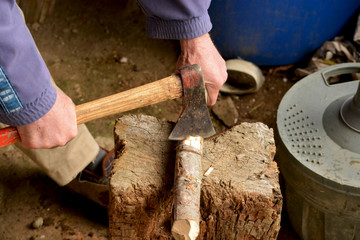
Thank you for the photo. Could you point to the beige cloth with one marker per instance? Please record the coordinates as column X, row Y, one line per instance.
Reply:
column 62, row 164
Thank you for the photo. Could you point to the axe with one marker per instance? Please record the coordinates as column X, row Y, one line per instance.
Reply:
column 159, row 91
column 193, row 125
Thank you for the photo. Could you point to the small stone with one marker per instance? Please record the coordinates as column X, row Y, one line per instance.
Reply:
column 124, row 60
column 38, row 223
column 74, row 30
column 226, row 111
column 37, row 237
column 329, row 55
column 35, row 26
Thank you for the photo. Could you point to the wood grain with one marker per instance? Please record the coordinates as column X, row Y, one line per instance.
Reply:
column 165, row 89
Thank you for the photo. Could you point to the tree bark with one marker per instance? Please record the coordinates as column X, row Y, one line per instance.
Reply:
column 188, row 175
column 240, row 192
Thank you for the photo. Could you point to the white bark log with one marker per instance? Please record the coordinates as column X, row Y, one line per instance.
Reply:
column 188, row 174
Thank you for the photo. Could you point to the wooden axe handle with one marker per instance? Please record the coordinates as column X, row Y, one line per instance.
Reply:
column 155, row 92
column 159, row 91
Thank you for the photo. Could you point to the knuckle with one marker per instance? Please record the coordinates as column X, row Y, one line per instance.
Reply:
column 219, row 85
column 225, row 76
column 61, row 144
column 47, row 146
column 62, row 141
column 71, row 136
column 74, row 132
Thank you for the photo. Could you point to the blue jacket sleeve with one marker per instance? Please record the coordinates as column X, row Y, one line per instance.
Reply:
column 176, row 19
column 26, row 93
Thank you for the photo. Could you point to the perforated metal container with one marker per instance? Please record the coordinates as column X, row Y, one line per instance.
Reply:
column 319, row 154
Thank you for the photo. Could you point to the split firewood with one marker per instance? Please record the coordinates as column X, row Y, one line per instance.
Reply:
column 188, row 175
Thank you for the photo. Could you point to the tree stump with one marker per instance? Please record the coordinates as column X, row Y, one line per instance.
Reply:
column 240, row 192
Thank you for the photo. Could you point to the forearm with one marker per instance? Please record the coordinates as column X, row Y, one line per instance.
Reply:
column 24, row 76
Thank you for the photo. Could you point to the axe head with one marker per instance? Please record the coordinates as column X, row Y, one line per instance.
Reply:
column 195, row 118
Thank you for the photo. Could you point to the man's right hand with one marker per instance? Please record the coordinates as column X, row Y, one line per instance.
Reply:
column 202, row 51
column 54, row 129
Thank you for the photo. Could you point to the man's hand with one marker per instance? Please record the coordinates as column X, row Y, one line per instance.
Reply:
column 54, row 129
column 202, row 51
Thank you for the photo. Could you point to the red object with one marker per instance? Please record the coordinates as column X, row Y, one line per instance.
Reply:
column 9, row 136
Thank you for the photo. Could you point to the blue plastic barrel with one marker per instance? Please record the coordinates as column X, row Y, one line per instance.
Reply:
column 276, row 32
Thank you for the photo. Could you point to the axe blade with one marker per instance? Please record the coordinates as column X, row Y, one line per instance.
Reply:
column 195, row 118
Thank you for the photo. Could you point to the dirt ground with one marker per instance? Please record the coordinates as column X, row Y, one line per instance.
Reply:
column 94, row 49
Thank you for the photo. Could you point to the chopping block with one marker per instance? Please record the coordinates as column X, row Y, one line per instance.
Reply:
column 240, row 191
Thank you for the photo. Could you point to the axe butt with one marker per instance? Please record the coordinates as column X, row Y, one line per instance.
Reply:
column 188, row 175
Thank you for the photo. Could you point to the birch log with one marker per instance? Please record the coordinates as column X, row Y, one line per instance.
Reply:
column 188, row 175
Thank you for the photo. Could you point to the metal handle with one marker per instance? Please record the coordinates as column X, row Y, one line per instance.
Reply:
column 339, row 69
column 350, row 109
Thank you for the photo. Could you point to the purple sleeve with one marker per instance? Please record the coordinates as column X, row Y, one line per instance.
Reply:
column 176, row 19
column 26, row 93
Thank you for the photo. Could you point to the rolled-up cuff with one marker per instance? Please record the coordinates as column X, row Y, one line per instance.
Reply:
column 178, row 29
column 31, row 111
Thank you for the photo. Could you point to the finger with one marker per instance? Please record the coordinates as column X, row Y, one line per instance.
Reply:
column 212, row 95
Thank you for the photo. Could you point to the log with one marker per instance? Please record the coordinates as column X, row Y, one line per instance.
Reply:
column 240, row 192
column 188, row 175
